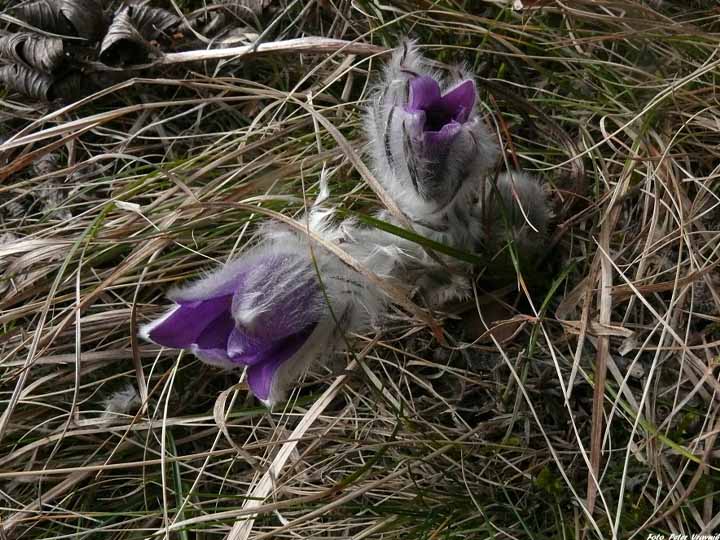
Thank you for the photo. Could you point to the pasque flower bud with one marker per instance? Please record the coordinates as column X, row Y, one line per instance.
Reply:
column 434, row 155
column 517, row 209
column 427, row 140
column 279, row 307
column 257, row 311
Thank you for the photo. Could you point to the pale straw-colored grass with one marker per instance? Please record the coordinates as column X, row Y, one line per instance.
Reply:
column 590, row 412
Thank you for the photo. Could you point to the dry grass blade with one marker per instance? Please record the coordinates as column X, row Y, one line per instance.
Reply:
column 600, row 371
column 308, row 45
column 241, row 529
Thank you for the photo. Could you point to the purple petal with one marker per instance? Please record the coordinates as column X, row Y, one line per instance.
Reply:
column 245, row 349
column 455, row 106
column 261, row 375
column 218, row 357
column 184, row 325
column 442, row 137
column 216, row 334
column 458, row 103
column 424, row 94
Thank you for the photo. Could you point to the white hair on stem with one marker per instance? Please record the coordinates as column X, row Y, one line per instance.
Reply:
column 120, row 402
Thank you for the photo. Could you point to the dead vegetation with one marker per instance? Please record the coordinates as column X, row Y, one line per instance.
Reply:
column 589, row 410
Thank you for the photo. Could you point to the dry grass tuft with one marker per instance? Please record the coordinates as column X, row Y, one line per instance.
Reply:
column 593, row 413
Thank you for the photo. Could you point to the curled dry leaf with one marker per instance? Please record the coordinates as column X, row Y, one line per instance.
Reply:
column 46, row 15
column 26, row 81
column 82, row 18
column 127, row 39
column 152, row 22
column 45, row 54
column 86, row 16
column 40, row 86
column 123, row 44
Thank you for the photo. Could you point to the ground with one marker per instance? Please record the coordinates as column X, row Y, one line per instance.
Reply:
column 591, row 413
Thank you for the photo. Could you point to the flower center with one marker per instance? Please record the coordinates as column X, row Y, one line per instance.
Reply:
column 440, row 110
column 436, row 118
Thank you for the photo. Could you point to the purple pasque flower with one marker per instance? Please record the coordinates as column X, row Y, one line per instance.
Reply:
column 258, row 311
column 427, row 140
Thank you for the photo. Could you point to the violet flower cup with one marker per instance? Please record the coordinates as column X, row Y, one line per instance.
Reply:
column 427, row 140
column 439, row 118
column 258, row 311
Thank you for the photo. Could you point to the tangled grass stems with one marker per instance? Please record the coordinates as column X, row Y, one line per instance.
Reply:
column 572, row 399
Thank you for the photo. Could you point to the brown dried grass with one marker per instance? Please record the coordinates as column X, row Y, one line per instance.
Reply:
column 594, row 416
